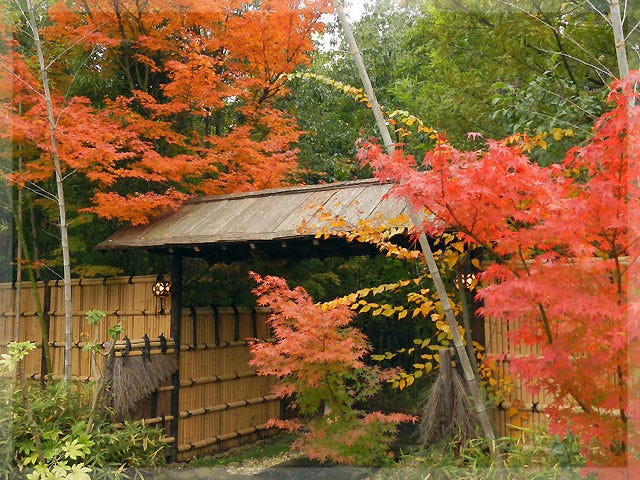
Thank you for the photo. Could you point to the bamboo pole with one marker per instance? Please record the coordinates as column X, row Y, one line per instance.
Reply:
column 176, row 327
column 62, row 209
column 40, row 311
column 470, row 377
column 618, row 38
column 227, row 406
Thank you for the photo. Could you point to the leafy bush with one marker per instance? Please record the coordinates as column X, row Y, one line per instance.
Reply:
column 318, row 358
column 50, row 440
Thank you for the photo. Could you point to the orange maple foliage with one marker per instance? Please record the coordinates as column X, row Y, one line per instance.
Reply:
column 192, row 103
column 561, row 246
column 318, row 357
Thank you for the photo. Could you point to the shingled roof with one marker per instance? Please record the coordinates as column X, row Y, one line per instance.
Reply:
column 231, row 227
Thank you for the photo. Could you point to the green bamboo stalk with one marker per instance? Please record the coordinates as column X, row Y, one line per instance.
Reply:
column 36, row 294
column 469, row 375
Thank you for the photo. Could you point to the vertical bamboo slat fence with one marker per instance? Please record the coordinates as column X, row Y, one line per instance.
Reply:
column 222, row 401
column 528, row 409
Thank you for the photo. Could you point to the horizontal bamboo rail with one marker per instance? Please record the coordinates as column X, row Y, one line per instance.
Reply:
column 536, row 407
column 120, row 344
column 156, row 344
column 124, row 313
column 224, row 344
column 533, row 407
column 37, row 376
column 190, row 382
column 227, row 406
column 138, row 353
column 149, row 421
column 220, row 438
column 82, row 313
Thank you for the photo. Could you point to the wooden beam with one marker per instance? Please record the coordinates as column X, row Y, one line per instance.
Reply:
column 176, row 314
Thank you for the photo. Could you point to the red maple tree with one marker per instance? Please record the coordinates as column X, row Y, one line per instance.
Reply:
column 318, row 358
column 560, row 246
column 192, row 106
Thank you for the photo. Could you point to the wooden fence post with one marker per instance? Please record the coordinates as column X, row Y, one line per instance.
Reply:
column 176, row 316
column 447, row 385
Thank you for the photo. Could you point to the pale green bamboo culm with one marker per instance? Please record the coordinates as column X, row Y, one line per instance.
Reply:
column 57, row 167
column 469, row 375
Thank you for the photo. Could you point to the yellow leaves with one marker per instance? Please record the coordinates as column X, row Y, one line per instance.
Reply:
column 403, row 380
column 459, row 246
column 378, row 289
column 559, row 133
column 388, row 311
column 403, row 117
column 364, row 292
column 352, row 297
column 384, row 356
column 376, row 230
column 514, row 409
column 366, row 308
column 424, row 309
column 451, row 258
column 528, row 142
column 356, row 93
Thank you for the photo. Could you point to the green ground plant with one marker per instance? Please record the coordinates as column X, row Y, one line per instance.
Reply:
column 50, row 436
column 534, row 455
column 266, row 448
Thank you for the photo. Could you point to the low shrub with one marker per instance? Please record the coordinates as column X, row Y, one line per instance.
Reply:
column 49, row 438
column 534, row 455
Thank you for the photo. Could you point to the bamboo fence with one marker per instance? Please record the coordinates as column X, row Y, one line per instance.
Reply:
column 222, row 401
column 528, row 408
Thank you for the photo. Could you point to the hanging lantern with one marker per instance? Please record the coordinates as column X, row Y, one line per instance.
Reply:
column 162, row 287
column 466, row 280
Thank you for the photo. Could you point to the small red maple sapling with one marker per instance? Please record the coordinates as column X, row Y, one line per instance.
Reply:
column 318, row 359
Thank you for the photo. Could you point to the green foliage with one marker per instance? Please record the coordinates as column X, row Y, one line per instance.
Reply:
column 533, row 455
column 60, row 411
column 115, row 330
column 94, row 316
column 17, row 351
column 482, row 66
column 265, row 448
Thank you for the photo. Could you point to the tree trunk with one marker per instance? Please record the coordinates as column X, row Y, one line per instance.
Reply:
column 470, row 377
column 618, row 38
column 62, row 209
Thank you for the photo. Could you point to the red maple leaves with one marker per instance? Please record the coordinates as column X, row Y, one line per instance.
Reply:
column 561, row 245
column 318, row 358
column 192, row 106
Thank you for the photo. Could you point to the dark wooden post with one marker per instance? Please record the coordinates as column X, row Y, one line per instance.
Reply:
column 46, row 308
column 447, row 386
column 176, row 326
